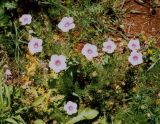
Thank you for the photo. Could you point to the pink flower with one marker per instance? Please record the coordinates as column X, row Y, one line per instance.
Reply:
column 8, row 72
column 58, row 63
column 70, row 108
column 35, row 45
column 89, row 51
column 66, row 24
column 109, row 46
column 134, row 45
column 135, row 58
column 25, row 19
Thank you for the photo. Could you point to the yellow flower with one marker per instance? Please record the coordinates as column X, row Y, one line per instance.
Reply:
column 41, row 90
column 53, row 75
column 57, row 98
column 25, row 80
column 143, row 37
column 158, row 101
column 149, row 52
column 31, row 66
column 135, row 88
column 55, row 37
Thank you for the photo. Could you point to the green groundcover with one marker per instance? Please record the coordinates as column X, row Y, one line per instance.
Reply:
column 79, row 62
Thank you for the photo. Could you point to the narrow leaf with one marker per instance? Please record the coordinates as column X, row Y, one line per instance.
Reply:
column 38, row 101
column 39, row 121
column 86, row 114
column 11, row 120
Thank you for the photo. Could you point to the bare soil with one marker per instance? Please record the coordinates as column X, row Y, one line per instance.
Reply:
column 142, row 19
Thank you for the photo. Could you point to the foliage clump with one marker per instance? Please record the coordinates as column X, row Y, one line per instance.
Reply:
column 106, row 89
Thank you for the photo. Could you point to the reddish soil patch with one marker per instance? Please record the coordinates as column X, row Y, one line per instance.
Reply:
column 144, row 19
column 79, row 46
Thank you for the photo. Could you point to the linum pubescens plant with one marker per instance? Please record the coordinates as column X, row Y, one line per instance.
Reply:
column 96, row 83
column 7, row 112
column 4, row 96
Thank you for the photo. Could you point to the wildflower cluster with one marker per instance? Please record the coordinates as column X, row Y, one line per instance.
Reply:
column 135, row 57
column 58, row 63
column 74, row 62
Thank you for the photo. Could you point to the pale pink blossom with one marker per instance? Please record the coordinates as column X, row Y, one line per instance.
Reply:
column 35, row 45
column 109, row 46
column 58, row 63
column 134, row 45
column 70, row 108
column 25, row 19
column 89, row 51
column 8, row 72
column 135, row 58
column 66, row 24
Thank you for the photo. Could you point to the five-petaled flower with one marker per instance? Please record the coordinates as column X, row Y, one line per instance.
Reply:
column 89, row 51
column 66, row 24
column 25, row 19
column 35, row 45
column 134, row 45
column 135, row 58
column 58, row 63
column 109, row 46
column 70, row 108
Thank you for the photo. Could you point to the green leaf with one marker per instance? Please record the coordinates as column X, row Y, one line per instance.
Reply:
column 52, row 83
column 153, row 64
column 11, row 120
column 38, row 101
column 106, row 60
column 19, row 119
column 1, row 12
column 10, row 5
column 39, row 121
column 86, row 114
column 117, row 122
column 56, row 115
column 90, row 113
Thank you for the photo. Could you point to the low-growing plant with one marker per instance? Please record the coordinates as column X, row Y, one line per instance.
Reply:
column 71, row 62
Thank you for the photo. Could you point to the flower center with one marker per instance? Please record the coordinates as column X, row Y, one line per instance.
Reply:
column 135, row 58
column 57, row 62
column 90, row 51
column 36, row 45
column 108, row 47
column 70, row 108
column 25, row 19
column 134, row 45
column 66, row 24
